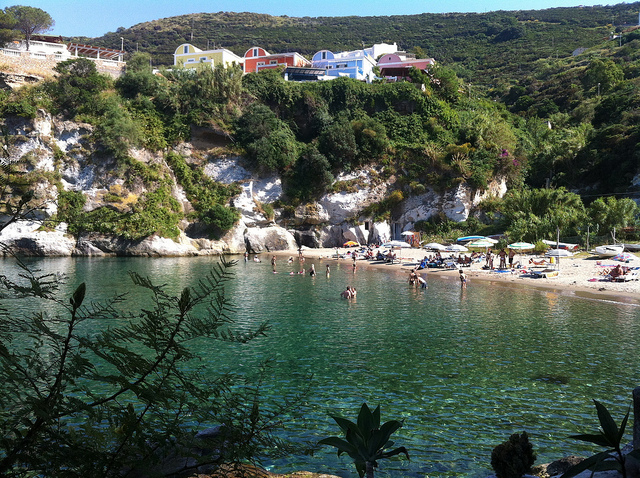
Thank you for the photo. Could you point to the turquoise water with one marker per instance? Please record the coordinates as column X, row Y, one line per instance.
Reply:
column 463, row 368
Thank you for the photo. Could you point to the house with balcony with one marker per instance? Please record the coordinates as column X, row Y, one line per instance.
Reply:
column 357, row 64
column 396, row 66
column 46, row 51
column 257, row 59
column 189, row 56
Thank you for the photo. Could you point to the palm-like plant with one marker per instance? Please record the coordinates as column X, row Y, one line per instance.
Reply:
column 366, row 442
column 609, row 436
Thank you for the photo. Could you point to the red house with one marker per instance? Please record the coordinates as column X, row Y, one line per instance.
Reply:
column 256, row 59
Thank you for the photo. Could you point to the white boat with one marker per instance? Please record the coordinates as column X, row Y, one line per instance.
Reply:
column 561, row 245
column 609, row 250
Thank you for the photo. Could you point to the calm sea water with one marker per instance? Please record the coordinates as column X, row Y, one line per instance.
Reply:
column 464, row 368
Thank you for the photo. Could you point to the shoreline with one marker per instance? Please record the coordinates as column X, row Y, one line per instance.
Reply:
column 578, row 276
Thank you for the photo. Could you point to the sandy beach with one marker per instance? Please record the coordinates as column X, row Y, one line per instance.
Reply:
column 582, row 275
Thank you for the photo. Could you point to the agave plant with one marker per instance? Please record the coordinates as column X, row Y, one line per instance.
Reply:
column 609, row 436
column 366, row 442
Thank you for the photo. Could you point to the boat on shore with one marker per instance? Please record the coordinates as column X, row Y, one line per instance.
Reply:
column 561, row 245
column 609, row 250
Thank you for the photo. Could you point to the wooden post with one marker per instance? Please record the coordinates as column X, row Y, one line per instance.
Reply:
column 636, row 418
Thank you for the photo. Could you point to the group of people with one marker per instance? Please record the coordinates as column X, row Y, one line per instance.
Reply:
column 502, row 255
column 417, row 280
column 349, row 293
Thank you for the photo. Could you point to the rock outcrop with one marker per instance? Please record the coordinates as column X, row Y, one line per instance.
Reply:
column 54, row 146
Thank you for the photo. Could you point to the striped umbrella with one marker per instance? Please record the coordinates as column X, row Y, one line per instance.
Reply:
column 521, row 246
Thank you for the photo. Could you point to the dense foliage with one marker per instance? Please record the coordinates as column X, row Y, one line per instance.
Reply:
column 568, row 124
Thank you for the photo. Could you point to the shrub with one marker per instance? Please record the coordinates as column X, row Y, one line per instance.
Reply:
column 513, row 458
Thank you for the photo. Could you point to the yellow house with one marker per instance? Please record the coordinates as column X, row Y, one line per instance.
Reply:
column 189, row 56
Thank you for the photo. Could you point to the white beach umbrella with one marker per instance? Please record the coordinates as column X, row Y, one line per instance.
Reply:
column 558, row 253
column 396, row 244
column 407, row 233
column 456, row 248
column 522, row 246
column 480, row 243
column 435, row 246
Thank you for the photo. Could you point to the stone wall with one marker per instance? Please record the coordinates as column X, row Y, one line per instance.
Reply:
column 41, row 65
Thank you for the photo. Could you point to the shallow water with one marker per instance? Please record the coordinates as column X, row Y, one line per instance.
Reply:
column 464, row 368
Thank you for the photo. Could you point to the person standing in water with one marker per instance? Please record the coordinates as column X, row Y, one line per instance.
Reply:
column 273, row 263
column 328, row 270
column 463, row 279
column 312, row 271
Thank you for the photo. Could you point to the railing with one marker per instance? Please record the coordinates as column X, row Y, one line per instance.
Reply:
column 9, row 52
column 57, row 56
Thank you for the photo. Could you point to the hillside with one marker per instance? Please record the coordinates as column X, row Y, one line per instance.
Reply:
column 483, row 47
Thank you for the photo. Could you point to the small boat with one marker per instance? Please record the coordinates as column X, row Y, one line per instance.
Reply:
column 561, row 245
column 609, row 250
column 632, row 247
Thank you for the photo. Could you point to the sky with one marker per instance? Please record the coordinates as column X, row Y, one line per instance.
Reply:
column 93, row 18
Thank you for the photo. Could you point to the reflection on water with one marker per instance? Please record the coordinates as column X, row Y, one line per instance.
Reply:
column 464, row 368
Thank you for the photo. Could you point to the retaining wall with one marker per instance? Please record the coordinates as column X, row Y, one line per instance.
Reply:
column 42, row 65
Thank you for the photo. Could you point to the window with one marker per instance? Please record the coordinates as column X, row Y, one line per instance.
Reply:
column 274, row 62
column 190, row 60
column 261, row 63
column 324, row 55
column 255, row 52
column 203, row 58
column 185, row 49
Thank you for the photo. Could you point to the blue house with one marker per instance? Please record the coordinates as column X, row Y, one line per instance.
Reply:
column 356, row 64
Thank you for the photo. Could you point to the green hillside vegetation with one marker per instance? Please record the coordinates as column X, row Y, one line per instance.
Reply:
column 569, row 124
column 483, row 48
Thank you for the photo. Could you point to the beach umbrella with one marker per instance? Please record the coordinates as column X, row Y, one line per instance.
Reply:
column 456, row 248
column 521, row 246
column 350, row 244
column 469, row 238
column 407, row 233
column 396, row 244
column 435, row 246
column 558, row 253
column 480, row 243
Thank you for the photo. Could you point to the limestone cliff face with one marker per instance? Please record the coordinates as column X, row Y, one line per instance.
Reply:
column 64, row 150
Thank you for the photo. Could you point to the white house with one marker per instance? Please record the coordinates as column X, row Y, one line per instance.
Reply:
column 356, row 64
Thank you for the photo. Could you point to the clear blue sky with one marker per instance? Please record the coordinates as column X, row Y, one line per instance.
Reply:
column 94, row 18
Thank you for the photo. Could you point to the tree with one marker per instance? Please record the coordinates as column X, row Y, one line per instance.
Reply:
column 78, row 84
column 311, row 176
column 130, row 398
column 30, row 20
column 7, row 24
column 609, row 213
column 536, row 214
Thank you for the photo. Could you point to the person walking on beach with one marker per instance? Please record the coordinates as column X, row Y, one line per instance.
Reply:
column 488, row 259
column 463, row 279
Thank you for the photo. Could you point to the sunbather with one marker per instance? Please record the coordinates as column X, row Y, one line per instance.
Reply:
column 539, row 262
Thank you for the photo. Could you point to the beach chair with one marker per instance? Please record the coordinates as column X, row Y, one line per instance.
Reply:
column 545, row 274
